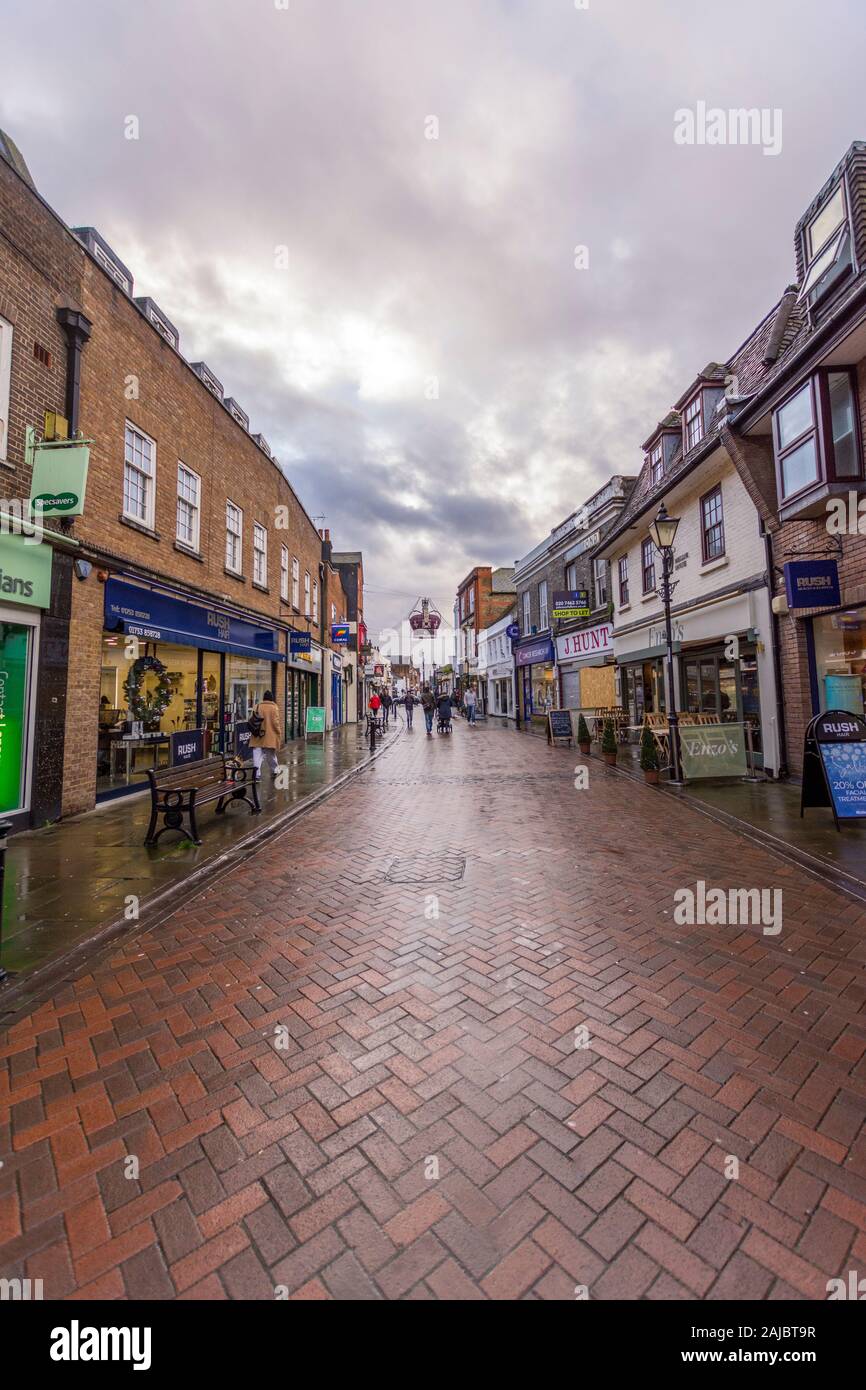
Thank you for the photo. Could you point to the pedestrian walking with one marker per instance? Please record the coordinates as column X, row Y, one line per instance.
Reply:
column 470, row 700
column 266, row 734
column 386, row 705
column 410, row 706
column 428, row 705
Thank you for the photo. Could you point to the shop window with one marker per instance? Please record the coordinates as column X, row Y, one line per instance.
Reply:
column 623, row 581
column 693, row 423
column 712, row 526
column 816, row 433
column 284, row 573
column 296, row 583
column 16, row 657
column 648, row 565
column 5, row 380
column 260, row 555
column 840, row 659
column 234, row 538
column 188, row 506
column 139, row 477
column 144, row 699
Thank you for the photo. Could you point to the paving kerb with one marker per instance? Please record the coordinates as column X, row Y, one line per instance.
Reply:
column 33, row 988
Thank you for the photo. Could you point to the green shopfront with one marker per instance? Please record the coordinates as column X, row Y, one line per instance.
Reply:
column 25, row 590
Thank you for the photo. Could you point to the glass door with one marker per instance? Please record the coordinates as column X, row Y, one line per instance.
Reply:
column 15, row 658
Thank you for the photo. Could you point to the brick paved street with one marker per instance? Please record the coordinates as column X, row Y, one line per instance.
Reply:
column 295, row 1055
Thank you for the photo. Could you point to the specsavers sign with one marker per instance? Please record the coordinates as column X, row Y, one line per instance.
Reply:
column 59, row 479
column 25, row 571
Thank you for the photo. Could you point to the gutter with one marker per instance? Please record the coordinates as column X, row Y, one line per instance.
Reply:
column 56, row 536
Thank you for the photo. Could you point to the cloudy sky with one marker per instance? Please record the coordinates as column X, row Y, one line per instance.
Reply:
column 435, row 374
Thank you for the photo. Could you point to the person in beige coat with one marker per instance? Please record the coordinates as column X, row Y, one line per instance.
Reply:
column 271, row 738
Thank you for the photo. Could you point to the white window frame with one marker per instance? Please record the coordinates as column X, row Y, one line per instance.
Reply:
column 307, row 582
column 6, row 331
column 527, row 613
column 296, row 583
column 543, row 620
column 315, row 600
column 195, row 507
column 149, row 488
column 260, row 554
column 284, row 573
column 237, row 535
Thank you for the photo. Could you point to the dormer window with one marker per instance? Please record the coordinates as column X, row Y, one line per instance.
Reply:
column 657, row 465
column 826, row 246
column 693, row 424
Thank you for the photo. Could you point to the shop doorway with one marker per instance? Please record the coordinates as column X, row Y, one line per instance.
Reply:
column 728, row 689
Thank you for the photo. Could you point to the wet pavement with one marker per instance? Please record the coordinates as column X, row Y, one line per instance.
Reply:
column 444, row 1039
column 69, row 881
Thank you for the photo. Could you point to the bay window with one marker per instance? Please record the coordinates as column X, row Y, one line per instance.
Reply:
column 816, row 433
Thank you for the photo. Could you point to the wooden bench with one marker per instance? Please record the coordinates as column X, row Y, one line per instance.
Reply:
column 176, row 793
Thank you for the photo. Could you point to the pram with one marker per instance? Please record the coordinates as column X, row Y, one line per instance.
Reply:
column 443, row 725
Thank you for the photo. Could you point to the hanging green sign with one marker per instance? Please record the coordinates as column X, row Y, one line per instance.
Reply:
column 13, row 701
column 59, row 479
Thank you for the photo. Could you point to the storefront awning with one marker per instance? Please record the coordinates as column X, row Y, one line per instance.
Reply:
column 154, row 617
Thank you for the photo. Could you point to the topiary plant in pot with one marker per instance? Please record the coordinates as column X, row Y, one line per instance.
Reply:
column 583, row 739
column 649, row 756
column 608, row 743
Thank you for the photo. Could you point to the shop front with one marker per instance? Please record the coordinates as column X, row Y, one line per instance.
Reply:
column 303, row 675
column 584, row 660
column 534, row 660
column 500, row 690
column 336, row 689
column 25, row 590
column 723, row 668
column 178, row 681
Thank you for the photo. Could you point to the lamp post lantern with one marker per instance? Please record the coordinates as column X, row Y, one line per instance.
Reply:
column 663, row 532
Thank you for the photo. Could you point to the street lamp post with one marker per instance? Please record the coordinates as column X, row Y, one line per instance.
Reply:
column 663, row 531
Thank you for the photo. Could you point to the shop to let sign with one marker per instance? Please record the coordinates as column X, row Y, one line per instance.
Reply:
column 572, row 603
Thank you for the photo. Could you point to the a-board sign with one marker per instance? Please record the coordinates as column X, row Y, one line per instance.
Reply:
column 834, row 765
column 315, row 723
column 559, row 725
column 187, row 747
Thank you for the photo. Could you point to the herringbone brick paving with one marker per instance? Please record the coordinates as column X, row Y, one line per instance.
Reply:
column 348, row 1070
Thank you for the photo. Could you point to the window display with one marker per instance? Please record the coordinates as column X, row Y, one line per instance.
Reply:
column 840, row 658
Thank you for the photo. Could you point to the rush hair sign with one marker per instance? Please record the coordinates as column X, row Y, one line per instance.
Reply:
column 590, row 641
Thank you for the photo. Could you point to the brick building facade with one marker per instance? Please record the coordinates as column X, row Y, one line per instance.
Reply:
column 193, row 549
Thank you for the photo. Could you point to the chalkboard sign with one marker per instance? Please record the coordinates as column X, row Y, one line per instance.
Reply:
column 559, row 725
column 834, row 765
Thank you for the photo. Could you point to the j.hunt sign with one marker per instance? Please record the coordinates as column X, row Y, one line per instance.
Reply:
column 592, row 641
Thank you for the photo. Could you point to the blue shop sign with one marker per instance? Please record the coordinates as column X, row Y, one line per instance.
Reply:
column 812, row 584
column 156, row 617
column 300, row 642
column 537, row 653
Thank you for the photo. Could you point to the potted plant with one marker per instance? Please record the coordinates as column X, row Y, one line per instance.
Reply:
column 608, row 743
column 649, row 756
column 583, row 739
